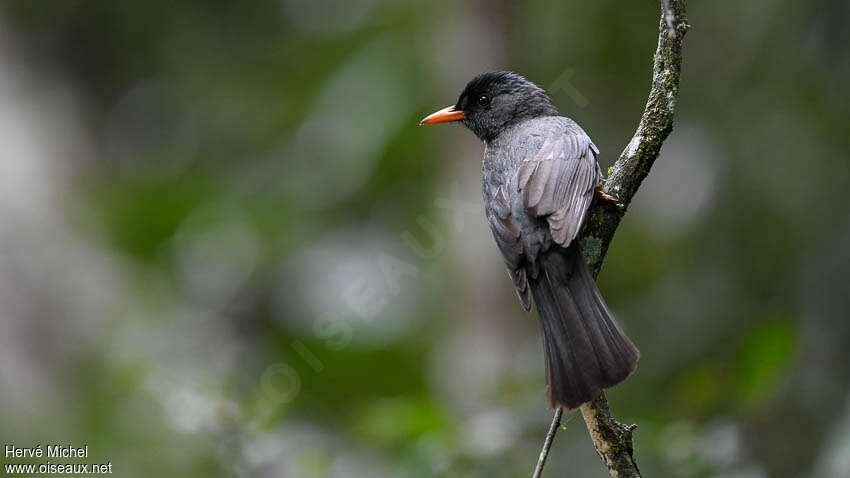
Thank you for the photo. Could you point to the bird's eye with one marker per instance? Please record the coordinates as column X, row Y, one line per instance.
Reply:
column 483, row 100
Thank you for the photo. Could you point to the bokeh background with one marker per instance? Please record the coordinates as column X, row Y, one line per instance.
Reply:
column 227, row 249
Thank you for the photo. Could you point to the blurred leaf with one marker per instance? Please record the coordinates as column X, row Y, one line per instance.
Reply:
column 401, row 419
column 765, row 358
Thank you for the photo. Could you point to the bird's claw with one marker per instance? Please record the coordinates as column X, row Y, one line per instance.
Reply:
column 607, row 198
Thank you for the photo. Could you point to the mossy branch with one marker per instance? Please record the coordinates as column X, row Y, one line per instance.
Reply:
column 612, row 439
column 637, row 158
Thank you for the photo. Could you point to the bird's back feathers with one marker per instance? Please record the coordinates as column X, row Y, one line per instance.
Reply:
column 539, row 180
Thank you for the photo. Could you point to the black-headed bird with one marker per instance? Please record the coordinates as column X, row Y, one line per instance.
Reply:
column 539, row 177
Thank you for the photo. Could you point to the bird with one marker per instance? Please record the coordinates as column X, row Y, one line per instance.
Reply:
column 539, row 176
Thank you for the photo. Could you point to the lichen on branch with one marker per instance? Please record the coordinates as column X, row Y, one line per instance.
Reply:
column 612, row 439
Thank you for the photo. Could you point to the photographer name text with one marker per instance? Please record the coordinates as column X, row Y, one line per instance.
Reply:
column 48, row 451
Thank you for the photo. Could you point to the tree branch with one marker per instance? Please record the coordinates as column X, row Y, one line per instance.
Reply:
column 669, row 18
column 612, row 439
column 635, row 161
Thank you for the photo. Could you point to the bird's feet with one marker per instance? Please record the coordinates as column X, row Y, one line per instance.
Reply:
column 607, row 198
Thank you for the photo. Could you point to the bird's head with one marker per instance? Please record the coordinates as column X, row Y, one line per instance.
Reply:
column 493, row 101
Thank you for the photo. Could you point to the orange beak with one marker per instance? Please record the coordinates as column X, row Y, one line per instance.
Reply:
column 444, row 116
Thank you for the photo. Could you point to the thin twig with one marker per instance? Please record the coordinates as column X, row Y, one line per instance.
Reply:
column 612, row 439
column 547, row 444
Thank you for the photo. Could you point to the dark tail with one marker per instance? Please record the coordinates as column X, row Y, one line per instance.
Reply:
column 585, row 349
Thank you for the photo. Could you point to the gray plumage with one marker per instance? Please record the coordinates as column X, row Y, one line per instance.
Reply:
column 540, row 169
column 539, row 175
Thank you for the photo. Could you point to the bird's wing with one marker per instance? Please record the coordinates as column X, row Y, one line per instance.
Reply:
column 558, row 182
column 506, row 231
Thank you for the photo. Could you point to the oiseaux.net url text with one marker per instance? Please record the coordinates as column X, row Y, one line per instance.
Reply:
column 58, row 468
